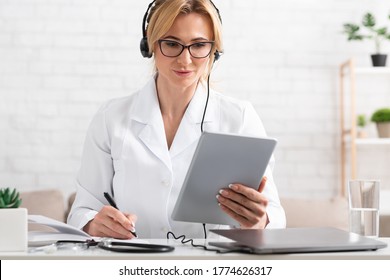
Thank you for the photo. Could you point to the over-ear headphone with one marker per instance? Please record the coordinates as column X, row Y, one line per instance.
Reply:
column 144, row 46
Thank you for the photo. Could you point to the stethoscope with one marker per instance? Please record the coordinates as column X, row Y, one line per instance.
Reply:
column 118, row 246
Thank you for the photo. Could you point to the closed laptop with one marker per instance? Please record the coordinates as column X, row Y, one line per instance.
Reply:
column 295, row 240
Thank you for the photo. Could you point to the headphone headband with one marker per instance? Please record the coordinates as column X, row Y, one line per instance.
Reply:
column 144, row 46
column 146, row 18
column 215, row 7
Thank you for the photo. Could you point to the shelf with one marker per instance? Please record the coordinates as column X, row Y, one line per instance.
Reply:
column 369, row 141
column 349, row 143
column 373, row 70
column 368, row 71
column 372, row 141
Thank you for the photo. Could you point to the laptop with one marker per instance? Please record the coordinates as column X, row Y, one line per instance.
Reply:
column 295, row 240
column 219, row 160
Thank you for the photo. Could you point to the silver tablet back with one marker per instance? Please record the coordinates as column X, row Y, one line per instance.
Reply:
column 219, row 160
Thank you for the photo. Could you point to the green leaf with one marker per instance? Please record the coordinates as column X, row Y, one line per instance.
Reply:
column 6, row 196
column 355, row 37
column 368, row 20
column 16, row 197
column 382, row 31
column 13, row 195
column 352, row 31
column 2, row 204
column 15, row 204
column 351, row 28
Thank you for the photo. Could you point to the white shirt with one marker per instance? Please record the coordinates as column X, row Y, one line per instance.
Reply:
column 126, row 154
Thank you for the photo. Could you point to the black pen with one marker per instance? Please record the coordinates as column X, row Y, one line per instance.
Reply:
column 113, row 204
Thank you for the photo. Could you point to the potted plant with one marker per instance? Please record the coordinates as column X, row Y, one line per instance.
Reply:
column 361, row 124
column 382, row 119
column 13, row 221
column 378, row 34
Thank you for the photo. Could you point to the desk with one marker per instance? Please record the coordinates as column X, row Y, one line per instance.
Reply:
column 187, row 252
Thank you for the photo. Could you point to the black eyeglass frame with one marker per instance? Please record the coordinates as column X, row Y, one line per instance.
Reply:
column 186, row 47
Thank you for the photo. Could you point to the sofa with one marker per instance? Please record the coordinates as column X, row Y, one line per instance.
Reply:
column 48, row 202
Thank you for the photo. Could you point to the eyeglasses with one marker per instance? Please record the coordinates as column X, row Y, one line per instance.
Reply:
column 171, row 48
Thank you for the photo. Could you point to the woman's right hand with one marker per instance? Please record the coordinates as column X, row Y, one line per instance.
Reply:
column 111, row 222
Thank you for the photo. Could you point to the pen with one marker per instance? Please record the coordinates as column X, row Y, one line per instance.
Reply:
column 113, row 204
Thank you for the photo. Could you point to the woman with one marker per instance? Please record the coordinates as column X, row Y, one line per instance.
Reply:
column 138, row 148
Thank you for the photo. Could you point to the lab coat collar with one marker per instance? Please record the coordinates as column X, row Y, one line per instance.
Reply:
column 189, row 130
column 147, row 108
column 147, row 111
column 196, row 107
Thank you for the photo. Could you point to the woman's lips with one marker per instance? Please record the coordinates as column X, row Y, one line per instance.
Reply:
column 182, row 73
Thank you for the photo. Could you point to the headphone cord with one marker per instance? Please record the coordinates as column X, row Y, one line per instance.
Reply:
column 204, row 247
column 207, row 102
column 204, row 231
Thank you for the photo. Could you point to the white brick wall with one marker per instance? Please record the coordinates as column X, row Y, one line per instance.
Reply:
column 60, row 59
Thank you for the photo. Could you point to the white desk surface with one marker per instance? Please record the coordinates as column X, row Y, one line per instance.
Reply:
column 187, row 252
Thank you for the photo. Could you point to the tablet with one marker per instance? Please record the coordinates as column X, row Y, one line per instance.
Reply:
column 219, row 160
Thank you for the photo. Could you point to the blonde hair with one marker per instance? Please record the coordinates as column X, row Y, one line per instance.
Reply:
column 164, row 12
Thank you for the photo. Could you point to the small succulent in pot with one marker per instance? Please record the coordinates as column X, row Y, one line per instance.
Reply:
column 9, row 198
column 361, row 122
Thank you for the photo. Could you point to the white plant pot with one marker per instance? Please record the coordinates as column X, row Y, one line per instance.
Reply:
column 13, row 229
column 383, row 129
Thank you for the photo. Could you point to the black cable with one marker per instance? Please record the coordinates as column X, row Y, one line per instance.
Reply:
column 184, row 241
column 204, row 231
column 207, row 102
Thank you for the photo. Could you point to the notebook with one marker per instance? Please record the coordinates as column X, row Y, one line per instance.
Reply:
column 220, row 160
column 51, row 230
column 295, row 240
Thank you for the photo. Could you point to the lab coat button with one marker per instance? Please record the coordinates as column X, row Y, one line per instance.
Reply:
column 164, row 229
column 165, row 183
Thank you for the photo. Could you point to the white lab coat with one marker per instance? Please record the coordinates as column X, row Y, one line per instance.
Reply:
column 126, row 154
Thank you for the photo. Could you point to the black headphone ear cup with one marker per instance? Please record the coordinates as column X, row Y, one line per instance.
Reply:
column 217, row 55
column 144, row 47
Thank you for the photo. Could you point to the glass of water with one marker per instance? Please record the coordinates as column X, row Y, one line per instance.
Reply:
column 364, row 207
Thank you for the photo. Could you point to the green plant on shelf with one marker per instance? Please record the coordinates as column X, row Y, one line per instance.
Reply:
column 377, row 34
column 381, row 115
column 361, row 120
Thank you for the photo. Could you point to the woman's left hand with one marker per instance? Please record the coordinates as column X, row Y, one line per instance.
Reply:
column 245, row 205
